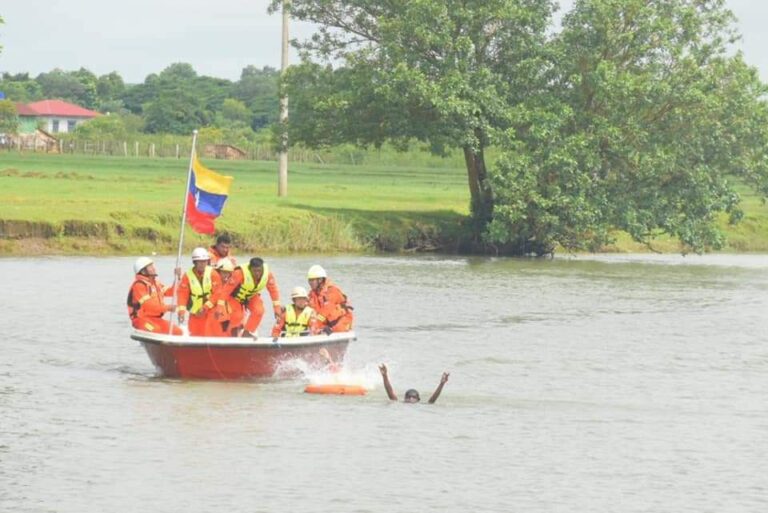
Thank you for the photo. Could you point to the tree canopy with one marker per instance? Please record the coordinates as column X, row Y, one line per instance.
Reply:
column 634, row 115
column 444, row 72
column 649, row 123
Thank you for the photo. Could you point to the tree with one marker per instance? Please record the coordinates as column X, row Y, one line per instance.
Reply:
column 177, row 100
column 74, row 86
column 20, row 87
column 103, row 127
column 257, row 89
column 212, row 92
column 178, row 112
column 109, row 89
column 178, row 74
column 139, row 95
column 235, row 110
column 648, row 122
column 447, row 72
column 89, row 82
column 9, row 120
column 634, row 116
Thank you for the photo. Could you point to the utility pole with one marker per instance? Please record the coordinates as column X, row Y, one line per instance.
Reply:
column 282, row 169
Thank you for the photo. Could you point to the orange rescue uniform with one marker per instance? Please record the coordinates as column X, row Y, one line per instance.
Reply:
column 216, row 256
column 146, row 307
column 298, row 318
column 252, row 303
column 197, row 321
column 332, row 307
column 219, row 322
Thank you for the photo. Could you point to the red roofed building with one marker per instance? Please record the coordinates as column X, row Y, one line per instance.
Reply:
column 24, row 110
column 56, row 116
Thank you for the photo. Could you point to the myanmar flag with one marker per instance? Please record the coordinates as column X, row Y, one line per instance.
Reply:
column 207, row 193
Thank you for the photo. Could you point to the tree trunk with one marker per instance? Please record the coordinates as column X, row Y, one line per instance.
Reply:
column 479, row 188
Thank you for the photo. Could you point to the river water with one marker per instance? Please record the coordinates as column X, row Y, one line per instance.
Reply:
column 611, row 383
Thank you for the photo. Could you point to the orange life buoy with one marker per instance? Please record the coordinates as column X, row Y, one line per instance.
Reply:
column 335, row 388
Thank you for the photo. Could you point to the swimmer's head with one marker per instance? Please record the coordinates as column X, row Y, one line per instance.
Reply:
column 412, row 396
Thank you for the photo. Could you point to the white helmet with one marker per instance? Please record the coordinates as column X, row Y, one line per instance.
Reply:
column 225, row 264
column 299, row 292
column 316, row 272
column 141, row 263
column 200, row 254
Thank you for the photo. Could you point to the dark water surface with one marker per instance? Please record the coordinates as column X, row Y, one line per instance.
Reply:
column 612, row 384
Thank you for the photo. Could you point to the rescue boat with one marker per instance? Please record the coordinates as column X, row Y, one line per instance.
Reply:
column 224, row 358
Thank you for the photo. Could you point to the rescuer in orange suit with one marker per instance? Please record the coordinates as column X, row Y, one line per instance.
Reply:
column 219, row 322
column 145, row 300
column 222, row 249
column 297, row 318
column 330, row 303
column 246, row 284
column 194, row 292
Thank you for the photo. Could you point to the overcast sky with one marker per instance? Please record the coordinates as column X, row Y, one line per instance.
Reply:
column 219, row 38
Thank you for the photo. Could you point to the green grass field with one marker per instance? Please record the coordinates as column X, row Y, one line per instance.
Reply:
column 64, row 204
column 112, row 204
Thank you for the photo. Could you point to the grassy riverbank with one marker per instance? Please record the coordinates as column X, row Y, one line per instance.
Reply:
column 112, row 205
column 63, row 204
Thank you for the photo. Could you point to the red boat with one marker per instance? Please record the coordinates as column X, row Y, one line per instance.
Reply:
column 243, row 358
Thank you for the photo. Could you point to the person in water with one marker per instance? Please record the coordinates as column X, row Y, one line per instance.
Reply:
column 411, row 395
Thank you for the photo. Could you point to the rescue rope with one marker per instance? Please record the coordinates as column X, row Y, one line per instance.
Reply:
column 213, row 361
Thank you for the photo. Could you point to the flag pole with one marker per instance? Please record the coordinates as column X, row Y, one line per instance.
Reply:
column 282, row 166
column 181, row 229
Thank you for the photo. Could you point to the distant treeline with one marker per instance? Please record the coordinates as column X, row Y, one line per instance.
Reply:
column 175, row 101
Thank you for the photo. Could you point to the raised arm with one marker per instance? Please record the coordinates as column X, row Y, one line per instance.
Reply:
column 436, row 393
column 387, row 384
column 330, row 364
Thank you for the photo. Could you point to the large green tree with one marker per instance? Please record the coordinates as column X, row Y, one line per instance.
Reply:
column 633, row 115
column 442, row 71
column 649, row 122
